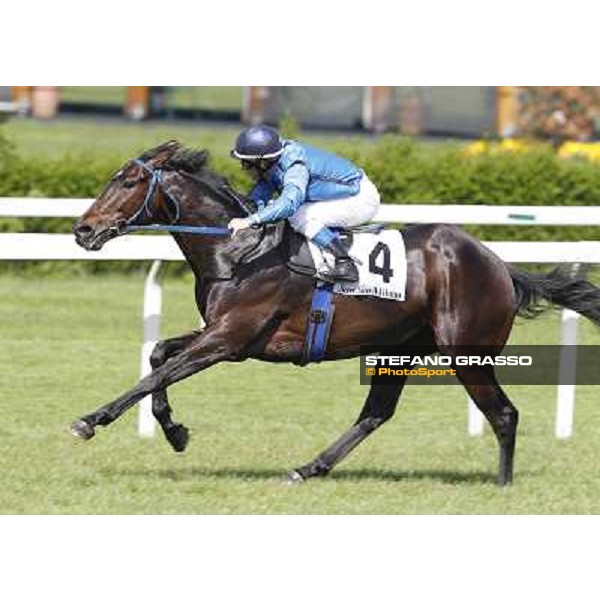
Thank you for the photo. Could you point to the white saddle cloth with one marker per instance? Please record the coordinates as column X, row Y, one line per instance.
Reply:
column 381, row 261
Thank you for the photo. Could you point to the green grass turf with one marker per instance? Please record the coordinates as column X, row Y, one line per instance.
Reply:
column 207, row 97
column 71, row 345
column 87, row 94
column 111, row 137
column 122, row 139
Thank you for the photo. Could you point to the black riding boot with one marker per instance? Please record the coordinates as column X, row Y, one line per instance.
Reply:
column 344, row 269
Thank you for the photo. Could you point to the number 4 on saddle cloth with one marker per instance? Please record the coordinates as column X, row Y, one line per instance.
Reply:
column 380, row 256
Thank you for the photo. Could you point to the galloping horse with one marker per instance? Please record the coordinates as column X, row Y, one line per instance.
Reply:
column 458, row 294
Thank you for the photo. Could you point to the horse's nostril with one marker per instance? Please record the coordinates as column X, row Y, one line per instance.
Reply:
column 82, row 231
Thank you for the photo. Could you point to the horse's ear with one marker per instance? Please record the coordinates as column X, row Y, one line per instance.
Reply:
column 167, row 150
column 170, row 145
column 161, row 153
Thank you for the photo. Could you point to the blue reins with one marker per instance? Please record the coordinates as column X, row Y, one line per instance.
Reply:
column 156, row 181
column 199, row 229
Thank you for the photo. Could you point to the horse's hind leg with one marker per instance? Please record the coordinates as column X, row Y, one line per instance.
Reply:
column 177, row 434
column 473, row 306
column 379, row 407
column 481, row 384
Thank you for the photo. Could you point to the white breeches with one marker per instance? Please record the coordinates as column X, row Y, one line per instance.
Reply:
column 343, row 212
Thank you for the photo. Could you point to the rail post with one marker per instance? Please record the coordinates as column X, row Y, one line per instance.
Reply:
column 567, row 370
column 474, row 418
column 152, row 311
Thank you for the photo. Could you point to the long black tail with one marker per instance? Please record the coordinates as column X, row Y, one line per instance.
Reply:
column 559, row 287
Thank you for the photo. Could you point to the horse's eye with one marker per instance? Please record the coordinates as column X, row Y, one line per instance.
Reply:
column 130, row 183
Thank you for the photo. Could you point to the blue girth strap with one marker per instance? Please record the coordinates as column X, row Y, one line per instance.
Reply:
column 320, row 318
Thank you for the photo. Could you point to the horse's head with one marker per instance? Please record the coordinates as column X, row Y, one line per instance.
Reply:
column 135, row 195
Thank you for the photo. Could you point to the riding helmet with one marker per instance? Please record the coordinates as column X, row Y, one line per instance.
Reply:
column 259, row 142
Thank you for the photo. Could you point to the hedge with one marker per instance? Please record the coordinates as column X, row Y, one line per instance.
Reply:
column 404, row 171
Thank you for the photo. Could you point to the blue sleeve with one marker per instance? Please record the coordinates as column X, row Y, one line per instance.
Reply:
column 261, row 193
column 295, row 182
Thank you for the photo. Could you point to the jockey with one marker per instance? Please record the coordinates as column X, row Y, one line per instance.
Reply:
column 317, row 190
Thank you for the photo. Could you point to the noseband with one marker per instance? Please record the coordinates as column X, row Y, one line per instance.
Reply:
column 147, row 207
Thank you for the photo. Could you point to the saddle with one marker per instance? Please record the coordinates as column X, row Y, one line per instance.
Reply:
column 292, row 247
column 297, row 252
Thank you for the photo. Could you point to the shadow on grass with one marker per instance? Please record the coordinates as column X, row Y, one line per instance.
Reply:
column 343, row 475
column 451, row 477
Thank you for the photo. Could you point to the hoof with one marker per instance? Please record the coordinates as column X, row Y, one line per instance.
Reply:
column 294, row 478
column 83, row 430
column 179, row 437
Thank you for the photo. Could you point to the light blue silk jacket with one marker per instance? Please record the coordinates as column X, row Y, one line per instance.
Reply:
column 303, row 174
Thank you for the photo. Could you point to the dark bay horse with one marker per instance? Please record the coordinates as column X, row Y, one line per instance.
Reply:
column 458, row 294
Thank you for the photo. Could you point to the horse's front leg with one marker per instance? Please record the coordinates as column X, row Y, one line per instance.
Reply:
column 213, row 345
column 176, row 433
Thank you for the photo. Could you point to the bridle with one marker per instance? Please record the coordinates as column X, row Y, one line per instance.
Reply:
column 147, row 207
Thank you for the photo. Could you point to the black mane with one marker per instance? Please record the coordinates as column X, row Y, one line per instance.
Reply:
column 194, row 162
column 189, row 160
column 179, row 158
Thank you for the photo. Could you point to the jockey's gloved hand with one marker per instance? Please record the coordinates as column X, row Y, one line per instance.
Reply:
column 236, row 225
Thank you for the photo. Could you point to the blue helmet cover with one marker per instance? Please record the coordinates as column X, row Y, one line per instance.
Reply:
column 257, row 142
